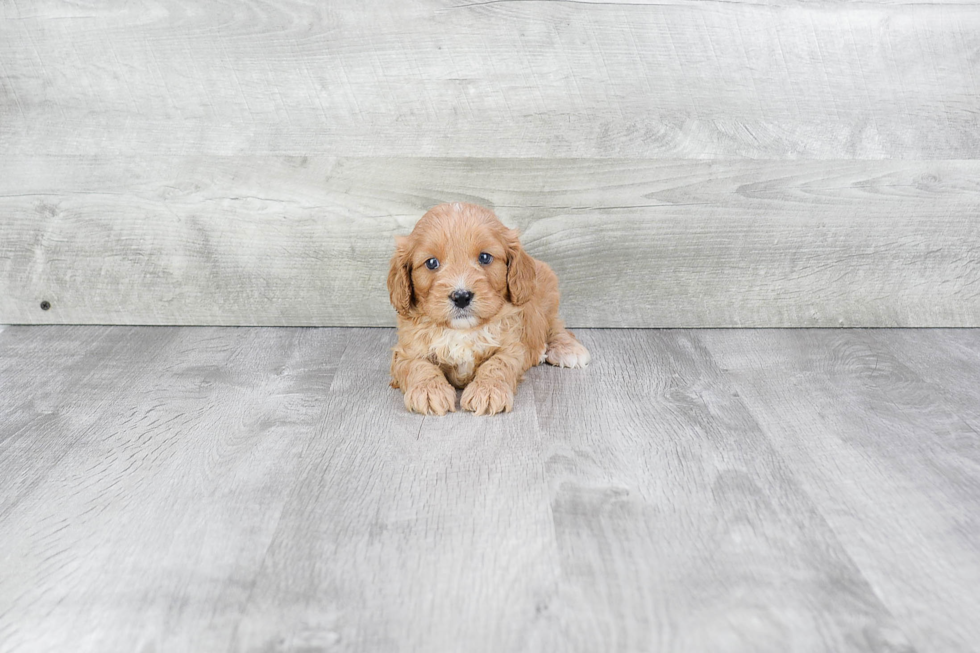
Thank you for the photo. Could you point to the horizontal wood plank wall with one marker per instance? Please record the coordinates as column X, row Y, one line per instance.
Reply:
column 678, row 163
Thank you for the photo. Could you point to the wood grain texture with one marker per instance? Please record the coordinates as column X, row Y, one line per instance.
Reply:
column 947, row 364
column 143, row 474
column 889, row 457
column 408, row 533
column 679, row 526
column 306, row 240
column 679, row 163
column 169, row 489
column 676, row 79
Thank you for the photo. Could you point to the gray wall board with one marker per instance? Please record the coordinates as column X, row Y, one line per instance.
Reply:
column 678, row 163
column 787, row 80
column 306, row 241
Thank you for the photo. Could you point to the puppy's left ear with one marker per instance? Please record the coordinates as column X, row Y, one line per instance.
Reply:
column 520, row 270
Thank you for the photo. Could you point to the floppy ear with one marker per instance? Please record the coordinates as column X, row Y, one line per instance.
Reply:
column 520, row 271
column 400, row 276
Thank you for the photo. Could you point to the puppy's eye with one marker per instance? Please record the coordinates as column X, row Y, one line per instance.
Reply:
column 485, row 259
column 432, row 263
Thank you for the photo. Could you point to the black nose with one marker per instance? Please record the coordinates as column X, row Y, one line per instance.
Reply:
column 461, row 298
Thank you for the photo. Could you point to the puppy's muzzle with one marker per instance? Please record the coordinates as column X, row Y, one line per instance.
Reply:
column 461, row 298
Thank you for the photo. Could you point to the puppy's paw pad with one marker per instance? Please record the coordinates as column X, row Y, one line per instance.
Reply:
column 568, row 353
column 487, row 398
column 431, row 397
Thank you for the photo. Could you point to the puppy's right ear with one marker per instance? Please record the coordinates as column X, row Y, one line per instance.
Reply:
column 400, row 276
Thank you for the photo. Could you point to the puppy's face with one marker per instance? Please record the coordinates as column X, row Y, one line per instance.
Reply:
column 459, row 266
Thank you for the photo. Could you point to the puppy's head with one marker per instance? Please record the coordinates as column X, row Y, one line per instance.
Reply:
column 459, row 267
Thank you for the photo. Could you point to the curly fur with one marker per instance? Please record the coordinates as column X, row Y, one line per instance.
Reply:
column 511, row 324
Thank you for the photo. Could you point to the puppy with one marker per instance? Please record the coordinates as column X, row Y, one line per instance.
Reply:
column 474, row 312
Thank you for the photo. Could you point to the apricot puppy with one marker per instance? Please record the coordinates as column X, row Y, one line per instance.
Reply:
column 474, row 312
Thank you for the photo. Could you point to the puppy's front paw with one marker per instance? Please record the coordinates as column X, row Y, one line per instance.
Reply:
column 568, row 353
column 431, row 397
column 485, row 397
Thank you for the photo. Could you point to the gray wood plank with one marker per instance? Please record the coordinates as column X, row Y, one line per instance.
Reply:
column 306, row 241
column 408, row 533
column 679, row 526
column 948, row 360
column 885, row 456
column 676, row 79
column 176, row 450
column 264, row 489
column 55, row 384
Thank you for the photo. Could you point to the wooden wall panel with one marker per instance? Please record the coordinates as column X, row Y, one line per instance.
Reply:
column 306, row 241
column 680, row 163
column 674, row 79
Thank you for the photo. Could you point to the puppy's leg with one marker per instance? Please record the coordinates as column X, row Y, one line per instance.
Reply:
column 563, row 349
column 425, row 386
column 492, row 389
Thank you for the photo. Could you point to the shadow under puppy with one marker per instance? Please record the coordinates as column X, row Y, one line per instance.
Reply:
column 474, row 312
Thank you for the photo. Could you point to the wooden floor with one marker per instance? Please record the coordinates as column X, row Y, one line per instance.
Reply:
column 223, row 489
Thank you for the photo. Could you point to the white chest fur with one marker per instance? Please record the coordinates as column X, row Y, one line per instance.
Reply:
column 459, row 349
